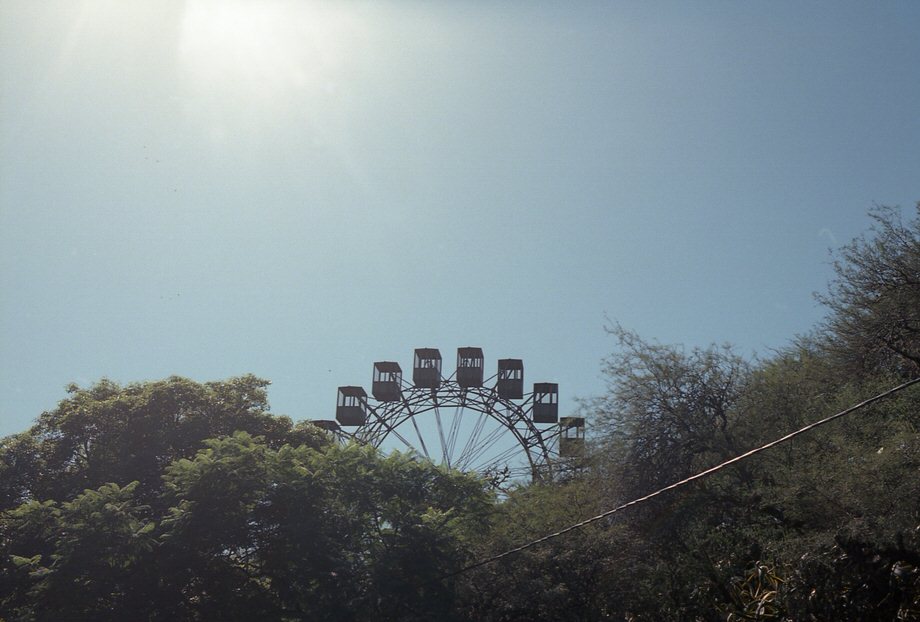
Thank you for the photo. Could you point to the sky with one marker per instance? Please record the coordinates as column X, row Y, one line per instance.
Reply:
column 299, row 189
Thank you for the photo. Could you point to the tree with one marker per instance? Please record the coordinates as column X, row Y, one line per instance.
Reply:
column 874, row 301
column 667, row 410
column 595, row 573
column 245, row 531
column 840, row 502
column 76, row 560
column 342, row 533
column 112, row 433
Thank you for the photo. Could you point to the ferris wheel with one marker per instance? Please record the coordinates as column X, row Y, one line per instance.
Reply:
column 462, row 421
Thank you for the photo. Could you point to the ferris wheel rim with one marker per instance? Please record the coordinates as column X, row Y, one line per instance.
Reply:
column 386, row 416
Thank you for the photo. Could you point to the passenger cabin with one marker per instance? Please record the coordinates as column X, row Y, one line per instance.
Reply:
column 510, row 379
column 545, row 402
column 426, row 370
column 351, row 408
column 572, row 437
column 387, row 385
column 469, row 367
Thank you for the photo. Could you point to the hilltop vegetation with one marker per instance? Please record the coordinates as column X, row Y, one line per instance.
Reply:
column 175, row 500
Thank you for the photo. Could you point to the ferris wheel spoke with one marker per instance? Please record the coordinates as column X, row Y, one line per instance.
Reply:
column 454, row 429
column 403, row 440
column 486, row 444
column 473, row 439
column 500, row 458
column 498, row 438
column 549, row 438
column 392, row 430
column 400, row 412
column 437, row 415
column 418, row 433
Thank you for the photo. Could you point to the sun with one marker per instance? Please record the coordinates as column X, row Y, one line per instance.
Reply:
column 265, row 50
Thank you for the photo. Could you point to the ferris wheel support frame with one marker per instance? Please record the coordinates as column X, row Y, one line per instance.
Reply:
column 396, row 408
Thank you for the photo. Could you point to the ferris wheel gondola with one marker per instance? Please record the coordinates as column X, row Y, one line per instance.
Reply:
column 463, row 421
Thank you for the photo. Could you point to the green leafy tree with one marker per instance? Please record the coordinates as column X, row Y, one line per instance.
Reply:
column 874, row 301
column 112, row 433
column 569, row 579
column 77, row 560
column 842, row 500
column 667, row 411
column 342, row 533
column 250, row 532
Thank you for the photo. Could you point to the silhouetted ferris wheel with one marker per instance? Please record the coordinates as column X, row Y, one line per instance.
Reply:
column 463, row 421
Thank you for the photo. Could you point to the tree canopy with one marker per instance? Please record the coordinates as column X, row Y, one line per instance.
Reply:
column 247, row 531
column 874, row 301
column 109, row 433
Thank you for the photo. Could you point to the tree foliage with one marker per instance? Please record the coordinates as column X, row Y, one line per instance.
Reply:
column 249, row 532
column 823, row 528
column 874, row 301
column 667, row 409
column 109, row 433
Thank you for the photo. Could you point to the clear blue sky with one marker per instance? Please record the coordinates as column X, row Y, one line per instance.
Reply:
column 297, row 190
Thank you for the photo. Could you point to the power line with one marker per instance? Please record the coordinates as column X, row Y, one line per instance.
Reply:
column 684, row 482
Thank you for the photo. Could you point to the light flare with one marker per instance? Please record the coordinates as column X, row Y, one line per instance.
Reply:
column 268, row 53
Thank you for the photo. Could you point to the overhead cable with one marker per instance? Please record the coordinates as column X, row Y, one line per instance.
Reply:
column 686, row 481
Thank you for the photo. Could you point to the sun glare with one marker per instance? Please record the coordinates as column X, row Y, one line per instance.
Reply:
column 267, row 51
